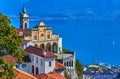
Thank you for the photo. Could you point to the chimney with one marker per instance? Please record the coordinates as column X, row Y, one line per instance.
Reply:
column 44, row 53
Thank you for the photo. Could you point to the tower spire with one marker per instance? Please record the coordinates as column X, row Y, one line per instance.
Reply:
column 24, row 18
column 24, row 9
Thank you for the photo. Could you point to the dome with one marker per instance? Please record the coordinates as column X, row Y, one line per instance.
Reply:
column 42, row 24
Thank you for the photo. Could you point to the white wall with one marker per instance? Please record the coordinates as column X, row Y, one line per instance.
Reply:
column 27, row 68
column 27, row 44
column 60, row 45
column 40, row 66
column 47, row 68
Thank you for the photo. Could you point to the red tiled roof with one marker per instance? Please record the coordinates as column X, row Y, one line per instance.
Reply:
column 39, row 52
column 24, row 31
column 25, row 41
column 10, row 59
column 55, row 75
column 59, row 66
column 50, row 75
column 42, row 76
column 19, row 74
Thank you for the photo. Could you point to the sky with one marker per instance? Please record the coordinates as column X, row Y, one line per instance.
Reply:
column 88, row 27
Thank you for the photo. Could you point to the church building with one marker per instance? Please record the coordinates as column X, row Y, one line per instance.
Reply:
column 41, row 35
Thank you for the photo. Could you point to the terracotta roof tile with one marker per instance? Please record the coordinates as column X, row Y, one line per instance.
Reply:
column 39, row 52
column 59, row 66
column 25, row 41
column 22, row 75
column 41, row 76
column 10, row 59
column 50, row 75
column 24, row 31
column 55, row 75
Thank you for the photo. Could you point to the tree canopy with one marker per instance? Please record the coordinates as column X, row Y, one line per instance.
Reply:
column 9, row 40
column 9, row 44
column 79, row 68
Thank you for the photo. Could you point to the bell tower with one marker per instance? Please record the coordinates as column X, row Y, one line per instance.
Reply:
column 24, row 19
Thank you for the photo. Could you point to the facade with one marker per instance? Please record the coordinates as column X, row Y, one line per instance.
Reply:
column 41, row 61
column 68, row 60
column 41, row 35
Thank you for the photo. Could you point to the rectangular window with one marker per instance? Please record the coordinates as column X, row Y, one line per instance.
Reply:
column 50, row 64
column 41, row 62
column 24, row 65
column 17, row 66
column 32, row 57
column 36, row 59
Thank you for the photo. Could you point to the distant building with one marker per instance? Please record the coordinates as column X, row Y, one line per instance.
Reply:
column 97, row 72
column 97, row 75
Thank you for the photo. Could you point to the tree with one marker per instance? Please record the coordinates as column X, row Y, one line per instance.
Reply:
column 9, row 39
column 9, row 44
column 66, row 74
column 65, row 49
column 79, row 68
column 20, row 53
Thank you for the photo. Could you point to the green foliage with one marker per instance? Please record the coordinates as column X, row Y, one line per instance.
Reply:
column 79, row 68
column 9, row 40
column 8, row 71
column 2, row 61
column 66, row 74
column 20, row 53
column 9, row 43
column 65, row 49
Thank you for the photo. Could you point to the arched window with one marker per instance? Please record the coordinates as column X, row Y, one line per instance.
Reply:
column 64, row 63
column 42, row 35
column 72, row 63
column 35, row 37
column 48, row 47
column 48, row 36
column 67, row 63
column 32, row 69
column 55, row 47
column 37, row 71
column 25, row 25
column 36, row 45
column 42, row 46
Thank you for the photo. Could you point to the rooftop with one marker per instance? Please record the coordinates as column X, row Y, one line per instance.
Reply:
column 25, row 41
column 10, row 59
column 59, row 66
column 22, row 75
column 39, row 52
column 50, row 75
